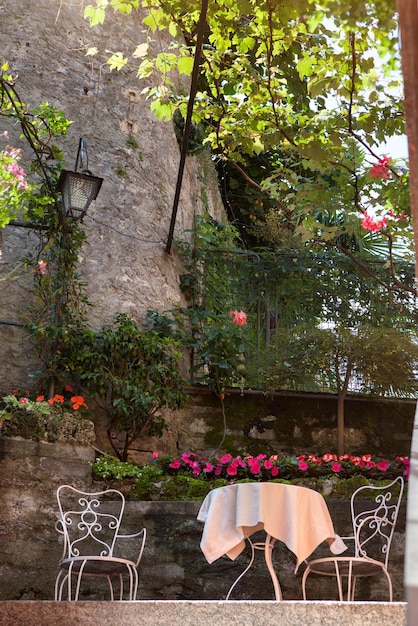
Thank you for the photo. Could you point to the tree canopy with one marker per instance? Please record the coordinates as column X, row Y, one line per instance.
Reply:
column 310, row 89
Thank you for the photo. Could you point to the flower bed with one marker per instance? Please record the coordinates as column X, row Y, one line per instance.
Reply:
column 62, row 418
column 191, row 477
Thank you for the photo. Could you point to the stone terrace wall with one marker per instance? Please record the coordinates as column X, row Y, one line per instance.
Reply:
column 173, row 566
column 124, row 262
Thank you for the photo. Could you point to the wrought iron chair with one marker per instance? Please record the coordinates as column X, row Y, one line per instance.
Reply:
column 373, row 531
column 90, row 525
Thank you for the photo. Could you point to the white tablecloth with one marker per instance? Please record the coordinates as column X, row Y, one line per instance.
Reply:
column 295, row 515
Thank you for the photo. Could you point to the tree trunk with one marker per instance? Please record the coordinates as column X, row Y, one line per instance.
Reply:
column 408, row 22
column 340, row 423
column 342, row 392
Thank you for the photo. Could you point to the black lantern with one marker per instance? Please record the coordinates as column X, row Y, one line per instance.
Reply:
column 78, row 188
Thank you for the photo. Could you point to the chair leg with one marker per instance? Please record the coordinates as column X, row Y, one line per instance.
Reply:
column 110, row 587
column 79, row 577
column 349, row 582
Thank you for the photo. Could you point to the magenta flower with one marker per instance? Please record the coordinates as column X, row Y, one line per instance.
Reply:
column 255, row 467
column 303, row 466
column 175, row 464
column 275, row 470
column 155, row 455
column 383, row 465
column 336, row 467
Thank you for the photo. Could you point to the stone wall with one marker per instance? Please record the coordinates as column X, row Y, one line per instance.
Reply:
column 279, row 423
column 173, row 567
column 124, row 261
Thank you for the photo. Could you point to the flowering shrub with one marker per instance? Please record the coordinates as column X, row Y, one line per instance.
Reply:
column 30, row 414
column 264, row 468
column 14, row 187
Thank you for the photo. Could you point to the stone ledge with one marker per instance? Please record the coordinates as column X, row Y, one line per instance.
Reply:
column 199, row 613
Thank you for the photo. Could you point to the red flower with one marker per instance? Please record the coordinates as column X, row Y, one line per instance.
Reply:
column 56, row 398
column 374, row 224
column 23, row 400
column 381, row 170
column 40, row 398
column 77, row 402
column 238, row 317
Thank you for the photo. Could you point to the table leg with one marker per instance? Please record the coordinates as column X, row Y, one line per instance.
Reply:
column 267, row 546
column 268, row 549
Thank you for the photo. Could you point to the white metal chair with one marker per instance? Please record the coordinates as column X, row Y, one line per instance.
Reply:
column 373, row 531
column 90, row 525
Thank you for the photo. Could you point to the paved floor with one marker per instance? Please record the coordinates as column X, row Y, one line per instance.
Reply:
column 200, row 613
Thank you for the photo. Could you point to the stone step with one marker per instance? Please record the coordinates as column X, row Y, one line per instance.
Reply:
column 202, row 613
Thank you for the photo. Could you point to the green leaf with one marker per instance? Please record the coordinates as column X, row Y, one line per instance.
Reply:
column 185, row 65
column 117, row 61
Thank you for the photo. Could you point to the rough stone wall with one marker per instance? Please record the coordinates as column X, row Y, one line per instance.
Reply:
column 124, row 261
column 173, row 566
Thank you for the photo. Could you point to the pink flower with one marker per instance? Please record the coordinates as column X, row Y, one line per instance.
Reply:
column 155, row 455
column 303, row 466
column 196, row 468
column 336, row 467
column 381, row 170
column 328, row 457
column 23, row 400
column 275, row 470
column 42, row 267
column 268, row 464
column 238, row 317
column 175, row 464
column 255, row 467
column 373, row 224
column 218, row 470
column 232, row 470
column 225, row 458
column 208, row 467
column 383, row 465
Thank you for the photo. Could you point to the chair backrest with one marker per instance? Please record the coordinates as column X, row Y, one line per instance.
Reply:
column 374, row 525
column 90, row 522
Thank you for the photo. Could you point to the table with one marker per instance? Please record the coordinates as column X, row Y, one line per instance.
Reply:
column 295, row 515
